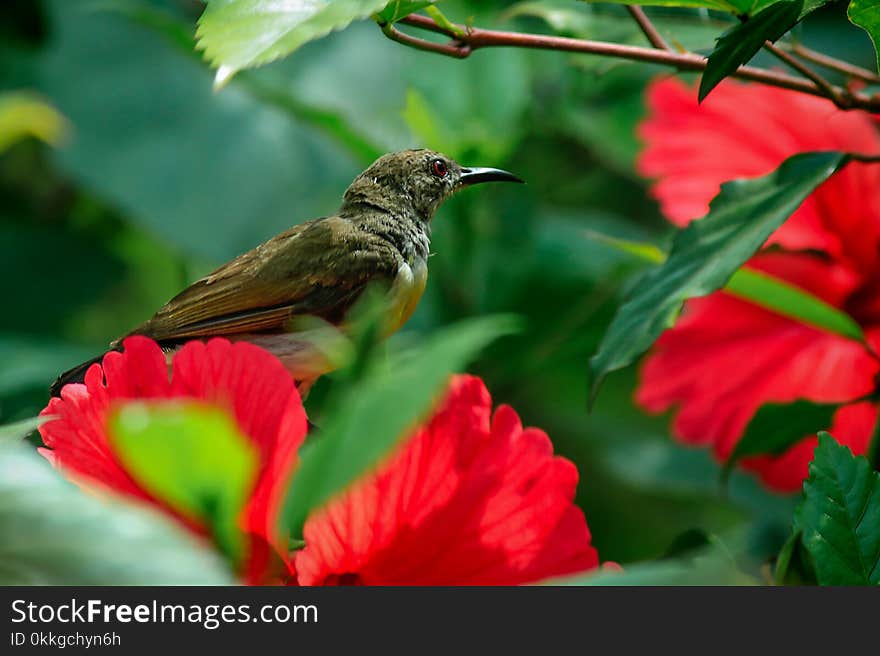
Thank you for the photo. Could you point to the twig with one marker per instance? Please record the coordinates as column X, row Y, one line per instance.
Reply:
column 864, row 158
column 839, row 97
column 455, row 49
column 647, row 27
column 476, row 38
column 834, row 64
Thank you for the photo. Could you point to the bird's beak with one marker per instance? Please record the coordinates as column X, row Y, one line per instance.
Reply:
column 477, row 175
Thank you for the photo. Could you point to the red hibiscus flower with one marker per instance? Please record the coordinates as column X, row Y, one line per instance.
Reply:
column 244, row 379
column 726, row 357
column 470, row 499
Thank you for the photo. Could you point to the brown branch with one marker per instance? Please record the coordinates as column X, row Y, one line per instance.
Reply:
column 839, row 97
column 833, row 64
column 647, row 27
column 455, row 49
column 476, row 38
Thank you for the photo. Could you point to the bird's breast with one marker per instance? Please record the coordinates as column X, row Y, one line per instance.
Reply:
column 406, row 290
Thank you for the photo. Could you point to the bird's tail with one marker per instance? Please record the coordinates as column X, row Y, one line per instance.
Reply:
column 75, row 375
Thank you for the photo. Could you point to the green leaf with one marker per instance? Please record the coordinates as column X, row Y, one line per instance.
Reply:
column 784, row 559
column 792, row 302
column 51, row 533
column 643, row 251
column 866, row 14
column 742, row 42
column 375, row 413
column 19, row 429
column 761, row 289
column 778, row 426
column 706, row 254
column 238, row 34
column 398, row 9
column 24, row 115
column 793, row 566
column 839, row 517
column 194, row 458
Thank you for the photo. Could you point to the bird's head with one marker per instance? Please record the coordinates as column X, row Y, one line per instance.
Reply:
column 416, row 182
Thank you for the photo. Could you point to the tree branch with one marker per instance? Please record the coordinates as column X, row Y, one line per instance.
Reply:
column 647, row 27
column 476, row 38
column 851, row 70
column 839, row 97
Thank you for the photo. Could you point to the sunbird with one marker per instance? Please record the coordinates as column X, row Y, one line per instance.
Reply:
column 319, row 269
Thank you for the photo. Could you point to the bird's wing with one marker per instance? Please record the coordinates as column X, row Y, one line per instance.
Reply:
column 317, row 268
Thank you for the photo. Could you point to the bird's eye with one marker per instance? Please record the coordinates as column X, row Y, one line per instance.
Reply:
column 438, row 168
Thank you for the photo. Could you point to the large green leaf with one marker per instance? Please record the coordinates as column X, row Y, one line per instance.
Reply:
column 194, row 458
column 742, row 42
column 51, row 533
column 866, row 14
column 375, row 412
column 177, row 31
column 778, row 426
column 238, row 34
column 707, row 253
column 839, row 517
column 211, row 174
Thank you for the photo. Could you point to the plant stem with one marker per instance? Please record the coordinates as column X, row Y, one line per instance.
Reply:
column 647, row 27
column 461, row 47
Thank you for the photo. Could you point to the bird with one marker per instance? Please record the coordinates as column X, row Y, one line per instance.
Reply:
column 317, row 270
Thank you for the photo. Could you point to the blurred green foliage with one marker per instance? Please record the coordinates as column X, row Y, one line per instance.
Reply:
column 160, row 179
column 83, row 540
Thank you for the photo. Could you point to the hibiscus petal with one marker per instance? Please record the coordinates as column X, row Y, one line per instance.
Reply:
column 727, row 357
column 467, row 500
column 692, row 148
column 243, row 378
column 78, row 437
column 139, row 372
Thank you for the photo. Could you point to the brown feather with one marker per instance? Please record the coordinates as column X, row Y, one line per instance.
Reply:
column 317, row 268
